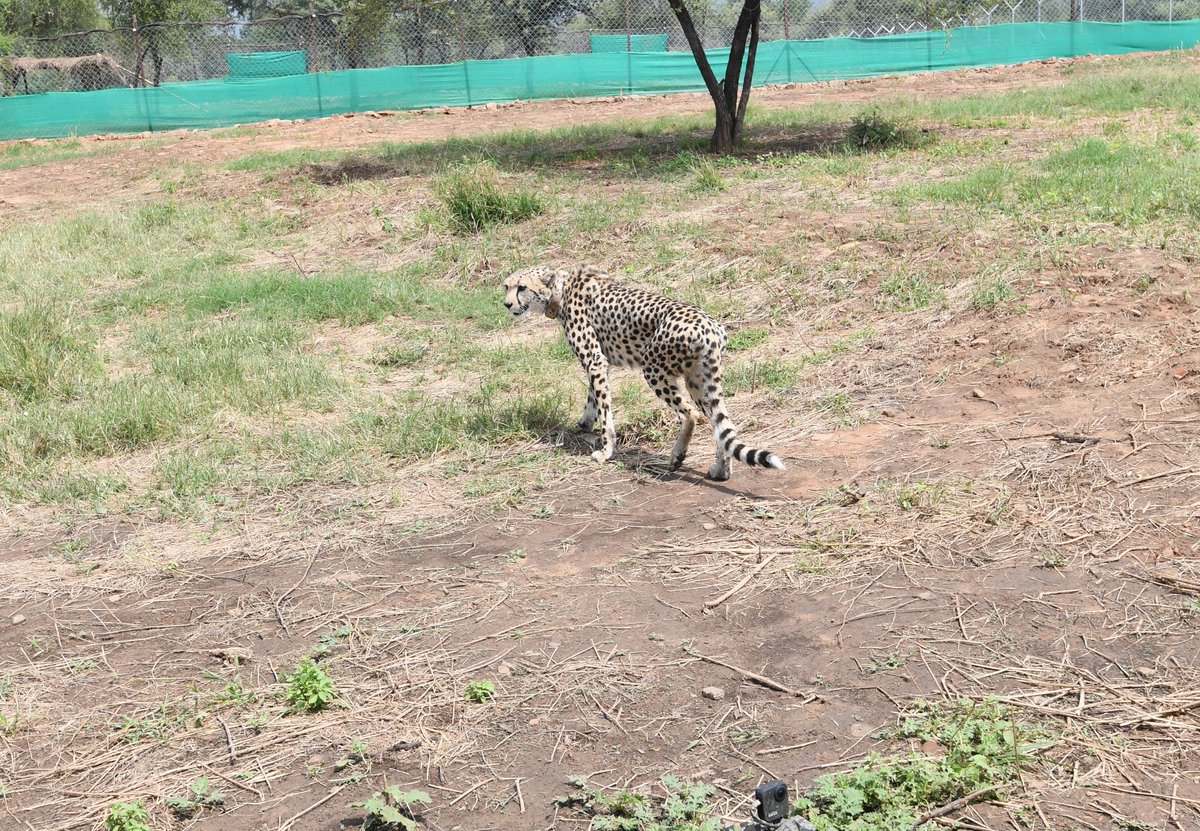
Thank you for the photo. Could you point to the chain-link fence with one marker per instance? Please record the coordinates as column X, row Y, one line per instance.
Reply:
column 458, row 30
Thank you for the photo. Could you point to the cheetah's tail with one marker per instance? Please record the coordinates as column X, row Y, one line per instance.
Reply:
column 752, row 457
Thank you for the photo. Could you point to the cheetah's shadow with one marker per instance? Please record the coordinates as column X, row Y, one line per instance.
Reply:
column 647, row 464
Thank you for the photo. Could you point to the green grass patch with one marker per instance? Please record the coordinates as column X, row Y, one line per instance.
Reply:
column 749, row 338
column 27, row 154
column 475, row 197
column 1118, row 182
column 989, row 292
column 44, row 353
column 418, row 427
column 908, row 293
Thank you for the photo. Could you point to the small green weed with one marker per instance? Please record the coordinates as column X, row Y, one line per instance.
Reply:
column 884, row 663
column 686, row 807
column 988, row 293
column 476, row 198
column 385, row 222
column 706, row 178
column 200, row 795
column 309, row 688
column 908, row 293
column 391, row 809
column 329, row 640
column 401, row 355
column 480, row 691
column 126, row 816
column 356, row 757
column 924, row 496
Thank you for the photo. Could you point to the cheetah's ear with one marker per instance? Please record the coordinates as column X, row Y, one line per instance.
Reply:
column 554, row 303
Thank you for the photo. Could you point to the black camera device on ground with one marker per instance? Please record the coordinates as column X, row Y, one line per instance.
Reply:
column 773, row 805
column 771, row 813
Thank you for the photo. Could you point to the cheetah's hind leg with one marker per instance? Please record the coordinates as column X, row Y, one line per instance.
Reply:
column 673, row 392
column 587, row 423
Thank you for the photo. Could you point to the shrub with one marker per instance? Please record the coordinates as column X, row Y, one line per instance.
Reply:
column 872, row 131
column 477, row 198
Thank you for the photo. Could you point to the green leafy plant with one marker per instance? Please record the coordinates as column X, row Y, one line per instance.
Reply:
column 309, row 687
column 981, row 745
column 391, row 809
column 328, row 640
column 126, row 816
column 200, row 795
column 686, row 807
column 480, row 691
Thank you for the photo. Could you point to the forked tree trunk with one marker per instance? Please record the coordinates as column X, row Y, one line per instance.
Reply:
column 729, row 104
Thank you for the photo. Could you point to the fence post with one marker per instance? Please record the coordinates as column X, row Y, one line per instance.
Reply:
column 628, row 32
column 312, row 38
column 1170, row 11
column 137, row 54
column 787, row 21
column 462, row 33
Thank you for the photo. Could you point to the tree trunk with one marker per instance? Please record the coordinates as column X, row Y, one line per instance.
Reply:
column 729, row 105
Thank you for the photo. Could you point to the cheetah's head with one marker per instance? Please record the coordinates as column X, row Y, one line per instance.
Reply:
column 537, row 289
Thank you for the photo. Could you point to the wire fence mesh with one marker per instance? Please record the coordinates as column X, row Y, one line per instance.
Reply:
column 458, row 30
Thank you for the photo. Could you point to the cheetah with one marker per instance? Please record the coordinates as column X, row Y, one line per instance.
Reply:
column 676, row 346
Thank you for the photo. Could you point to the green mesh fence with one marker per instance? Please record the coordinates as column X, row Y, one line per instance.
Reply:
column 629, row 43
column 266, row 65
column 203, row 104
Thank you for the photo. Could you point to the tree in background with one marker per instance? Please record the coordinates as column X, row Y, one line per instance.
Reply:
column 158, row 41
column 46, row 18
column 729, row 97
column 24, row 19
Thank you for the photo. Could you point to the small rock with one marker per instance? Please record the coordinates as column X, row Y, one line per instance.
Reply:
column 491, row 105
column 505, row 669
column 926, row 595
column 533, row 722
column 114, row 598
column 17, row 620
column 1145, row 672
column 886, row 413
column 233, row 655
column 713, row 693
column 709, row 526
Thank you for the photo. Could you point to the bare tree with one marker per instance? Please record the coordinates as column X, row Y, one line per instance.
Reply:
column 729, row 96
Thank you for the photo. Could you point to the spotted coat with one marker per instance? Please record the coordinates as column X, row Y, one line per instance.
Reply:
column 677, row 347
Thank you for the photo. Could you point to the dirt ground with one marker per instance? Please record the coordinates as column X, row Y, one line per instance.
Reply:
column 1018, row 518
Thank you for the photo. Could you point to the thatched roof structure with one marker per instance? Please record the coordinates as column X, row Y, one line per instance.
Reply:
column 86, row 72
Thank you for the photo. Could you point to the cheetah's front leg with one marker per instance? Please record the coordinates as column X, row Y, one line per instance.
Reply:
column 598, row 380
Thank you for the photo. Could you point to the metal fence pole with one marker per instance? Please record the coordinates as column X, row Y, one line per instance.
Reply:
column 137, row 54
column 462, row 32
column 787, row 21
column 312, row 39
column 628, row 31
